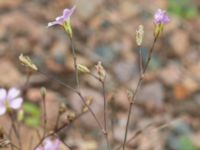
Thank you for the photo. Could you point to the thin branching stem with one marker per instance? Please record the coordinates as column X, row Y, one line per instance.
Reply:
column 105, row 130
column 140, row 60
column 69, row 147
column 75, row 62
column 105, row 105
column 137, row 89
column 91, row 111
column 57, row 80
column 27, row 80
column 15, row 129
column 57, row 120
column 44, row 114
column 105, row 114
column 56, row 131
column 76, row 91
column 78, row 86
column 8, row 136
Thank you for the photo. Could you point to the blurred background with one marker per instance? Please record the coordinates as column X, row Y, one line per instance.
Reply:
column 167, row 106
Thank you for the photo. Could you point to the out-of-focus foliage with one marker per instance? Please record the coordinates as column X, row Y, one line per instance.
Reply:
column 32, row 114
column 186, row 143
column 183, row 8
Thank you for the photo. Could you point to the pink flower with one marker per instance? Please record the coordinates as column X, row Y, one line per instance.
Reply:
column 64, row 18
column 161, row 17
column 49, row 145
column 10, row 99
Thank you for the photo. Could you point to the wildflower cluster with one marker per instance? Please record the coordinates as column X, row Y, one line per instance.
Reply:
column 11, row 100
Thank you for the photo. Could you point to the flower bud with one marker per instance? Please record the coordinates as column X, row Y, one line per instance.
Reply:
column 62, row 108
column 101, row 71
column 20, row 115
column 139, row 35
column 89, row 101
column 71, row 116
column 43, row 92
column 83, row 68
column 129, row 95
column 27, row 62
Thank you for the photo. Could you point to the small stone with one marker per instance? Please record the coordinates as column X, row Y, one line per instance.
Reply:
column 129, row 9
column 121, row 99
column 9, row 74
column 53, row 66
column 125, row 70
column 59, row 51
column 4, row 4
column 171, row 74
column 87, row 8
column 34, row 94
column 106, row 53
column 152, row 96
column 180, row 48
column 185, row 88
column 195, row 69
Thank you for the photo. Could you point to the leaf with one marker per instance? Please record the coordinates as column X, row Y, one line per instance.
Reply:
column 32, row 121
column 31, row 109
column 32, row 114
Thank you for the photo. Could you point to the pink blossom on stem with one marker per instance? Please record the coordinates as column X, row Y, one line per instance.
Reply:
column 49, row 145
column 161, row 17
column 10, row 99
column 64, row 18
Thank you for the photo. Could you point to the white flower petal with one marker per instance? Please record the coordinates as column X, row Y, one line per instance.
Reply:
column 52, row 23
column 3, row 95
column 2, row 109
column 48, row 144
column 13, row 93
column 39, row 148
column 16, row 103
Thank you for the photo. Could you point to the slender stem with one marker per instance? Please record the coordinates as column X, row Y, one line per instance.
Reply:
column 38, row 134
column 15, row 130
column 105, row 115
column 137, row 89
column 56, row 131
column 57, row 121
column 129, row 140
column 44, row 114
column 104, row 108
column 75, row 62
column 77, row 92
column 9, row 136
column 57, row 80
column 27, row 80
column 105, row 130
column 78, row 86
column 91, row 111
column 140, row 60
column 69, row 147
